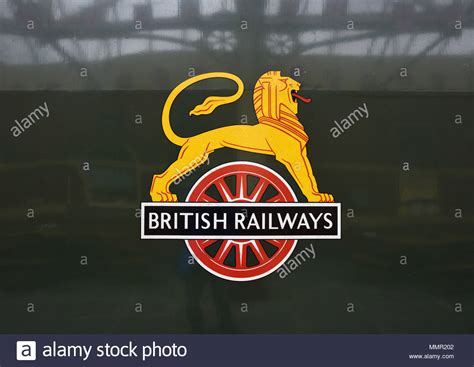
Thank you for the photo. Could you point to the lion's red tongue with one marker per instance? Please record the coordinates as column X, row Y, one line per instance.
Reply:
column 301, row 98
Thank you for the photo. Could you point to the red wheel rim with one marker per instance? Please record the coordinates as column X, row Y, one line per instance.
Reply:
column 241, row 260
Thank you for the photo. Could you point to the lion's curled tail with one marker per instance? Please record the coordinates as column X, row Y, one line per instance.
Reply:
column 209, row 105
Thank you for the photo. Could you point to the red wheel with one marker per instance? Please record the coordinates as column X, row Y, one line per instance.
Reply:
column 241, row 260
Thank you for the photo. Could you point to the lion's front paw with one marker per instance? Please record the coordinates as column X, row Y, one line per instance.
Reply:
column 163, row 196
column 320, row 197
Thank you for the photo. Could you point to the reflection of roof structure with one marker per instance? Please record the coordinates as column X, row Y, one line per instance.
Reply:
column 96, row 30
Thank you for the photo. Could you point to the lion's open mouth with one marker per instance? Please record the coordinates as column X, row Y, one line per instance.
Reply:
column 301, row 98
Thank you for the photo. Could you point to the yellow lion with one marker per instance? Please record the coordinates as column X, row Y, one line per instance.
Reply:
column 277, row 133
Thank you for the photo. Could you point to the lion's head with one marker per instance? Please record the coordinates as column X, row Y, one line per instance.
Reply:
column 274, row 93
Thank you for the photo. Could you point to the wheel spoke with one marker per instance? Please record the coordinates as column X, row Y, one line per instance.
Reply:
column 259, row 251
column 241, row 186
column 278, row 198
column 207, row 199
column 258, row 190
column 276, row 243
column 206, row 243
column 224, row 190
column 241, row 255
column 223, row 251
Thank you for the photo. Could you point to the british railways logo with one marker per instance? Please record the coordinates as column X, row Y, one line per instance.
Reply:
column 241, row 220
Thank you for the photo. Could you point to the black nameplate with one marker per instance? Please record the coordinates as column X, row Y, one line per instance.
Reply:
column 240, row 220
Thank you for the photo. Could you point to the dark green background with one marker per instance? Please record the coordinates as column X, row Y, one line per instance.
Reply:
column 92, row 213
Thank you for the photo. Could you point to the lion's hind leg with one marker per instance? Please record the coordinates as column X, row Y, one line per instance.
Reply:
column 193, row 153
